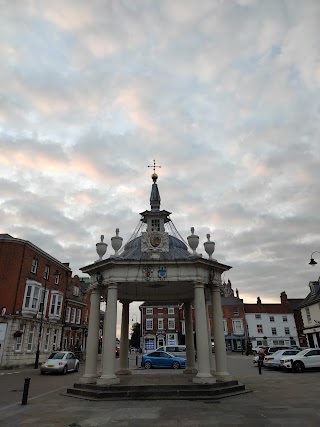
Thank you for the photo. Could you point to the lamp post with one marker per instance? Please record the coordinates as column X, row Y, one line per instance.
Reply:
column 36, row 363
column 312, row 261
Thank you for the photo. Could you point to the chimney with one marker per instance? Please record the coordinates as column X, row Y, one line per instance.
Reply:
column 237, row 293
column 258, row 301
column 283, row 298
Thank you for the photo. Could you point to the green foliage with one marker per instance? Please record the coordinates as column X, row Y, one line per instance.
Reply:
column 135, row 335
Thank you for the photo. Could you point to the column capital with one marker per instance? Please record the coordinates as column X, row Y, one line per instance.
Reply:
column 112, row 285
column 125, row 301
column 198, row 285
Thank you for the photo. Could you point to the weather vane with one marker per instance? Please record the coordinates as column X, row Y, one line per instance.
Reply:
column 154, row 166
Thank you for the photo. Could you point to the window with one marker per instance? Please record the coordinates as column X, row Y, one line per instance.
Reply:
column 19, row 340
column 284, row 318
column 56, row 279
column 271, row 318
column 171, row 323
column 55, row 339
column 171, row 339
column 86, row 316
column 155, row 225
column 68, row 312
column 274, row 331
column 32, row 297
column 149, row 324
column 149, row 344
column 287, row 331
column 149, row 310
column 55, row 306
column 34, row 265
column 258, row 316
column 76, row 291
column 46, row 272
column 73, row 315
column 236, row 311
column 47, row 340
column 30, row 338
column 160, row 324
column 35, row 299
column 259, row 329
column 237, row 327
column 225, row 327
column 308, row 314
column 78, row 316
column 170, row 310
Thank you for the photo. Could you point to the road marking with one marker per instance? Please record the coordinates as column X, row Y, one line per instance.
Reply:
column 36, row 397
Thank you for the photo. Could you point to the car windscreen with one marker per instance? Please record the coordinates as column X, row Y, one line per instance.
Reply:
column 56, row 356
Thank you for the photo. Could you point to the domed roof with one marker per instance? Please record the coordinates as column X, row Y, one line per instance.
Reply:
column 177, row 250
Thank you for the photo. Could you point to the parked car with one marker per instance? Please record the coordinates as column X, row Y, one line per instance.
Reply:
column 273, row 360
column 162, row 359
column 60, row 362
column 117, row 352
column 177, row 350
column 305, row 359
column 267, row 350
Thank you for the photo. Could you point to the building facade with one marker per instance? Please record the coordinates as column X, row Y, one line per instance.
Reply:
column 310, row 311
column 34, row 288
column 271, row 324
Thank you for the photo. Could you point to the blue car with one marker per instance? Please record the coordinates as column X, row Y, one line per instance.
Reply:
column 162, row 359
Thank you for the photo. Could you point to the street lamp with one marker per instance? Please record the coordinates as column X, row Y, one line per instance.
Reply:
column 312, row 261
column 36, row 363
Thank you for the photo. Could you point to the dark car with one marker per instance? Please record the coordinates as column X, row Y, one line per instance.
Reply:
column 162, row 359
column 117, row 352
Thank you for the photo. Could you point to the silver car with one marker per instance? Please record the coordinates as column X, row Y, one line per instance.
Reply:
column 60, row 362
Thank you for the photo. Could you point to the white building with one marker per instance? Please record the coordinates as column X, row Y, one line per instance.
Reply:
column 271, row 324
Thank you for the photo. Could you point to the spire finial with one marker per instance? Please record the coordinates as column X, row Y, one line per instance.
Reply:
column 154, row 176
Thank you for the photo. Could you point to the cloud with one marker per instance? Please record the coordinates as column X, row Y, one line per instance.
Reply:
column 223, row 94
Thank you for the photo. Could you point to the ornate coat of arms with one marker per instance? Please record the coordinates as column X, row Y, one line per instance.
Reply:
column 155, row 242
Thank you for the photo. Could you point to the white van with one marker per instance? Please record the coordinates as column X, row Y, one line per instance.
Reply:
column 177, row 350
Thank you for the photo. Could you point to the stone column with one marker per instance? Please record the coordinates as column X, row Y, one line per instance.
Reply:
column 203, row 376
column 209, row 341
column 124, row 342
column 222, row 373
column 190, row 364
column 90, row 371
column 109, row 338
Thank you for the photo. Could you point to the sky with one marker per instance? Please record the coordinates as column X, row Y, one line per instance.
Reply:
column 223, row 94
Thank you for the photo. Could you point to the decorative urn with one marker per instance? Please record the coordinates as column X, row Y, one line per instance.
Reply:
column 209, row 247
column 116, row 242
column 193, row 241
column 101, row 248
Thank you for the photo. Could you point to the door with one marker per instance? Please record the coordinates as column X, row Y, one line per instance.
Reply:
column 313, row 359
column 71, row 359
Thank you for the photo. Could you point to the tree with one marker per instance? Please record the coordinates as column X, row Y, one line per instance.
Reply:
column 135, row 335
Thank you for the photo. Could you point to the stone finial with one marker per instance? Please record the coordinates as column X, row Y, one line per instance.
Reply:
column 209, row 247
column 116, row 242
column 193, row 241
column 101, row 247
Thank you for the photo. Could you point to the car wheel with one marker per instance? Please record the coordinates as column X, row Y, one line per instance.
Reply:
column 65, row 370
column 298, row 367
column 42, row 372
column 147, row 365
column 77, row 367
column 176, row 365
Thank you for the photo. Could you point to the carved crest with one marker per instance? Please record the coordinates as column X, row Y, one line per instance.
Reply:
column 147, row 271
column 162, row 272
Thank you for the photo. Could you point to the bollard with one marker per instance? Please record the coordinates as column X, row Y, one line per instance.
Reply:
column 259, row 366
column 292, row 368
column 137, row 360
column 25, row 391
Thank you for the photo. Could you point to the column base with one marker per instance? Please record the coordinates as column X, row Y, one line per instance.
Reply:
column 88, row 379
column 124, row 372
column 223, row 376
column 108, row 380
column 190, row 371
column 204, row 380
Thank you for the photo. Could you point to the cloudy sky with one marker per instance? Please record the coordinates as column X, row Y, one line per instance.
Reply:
column 223, row 94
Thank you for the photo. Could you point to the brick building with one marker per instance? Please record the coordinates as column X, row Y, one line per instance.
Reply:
column 33, row 288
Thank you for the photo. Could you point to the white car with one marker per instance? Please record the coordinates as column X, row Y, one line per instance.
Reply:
column 273, row 360
column 305, row 359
